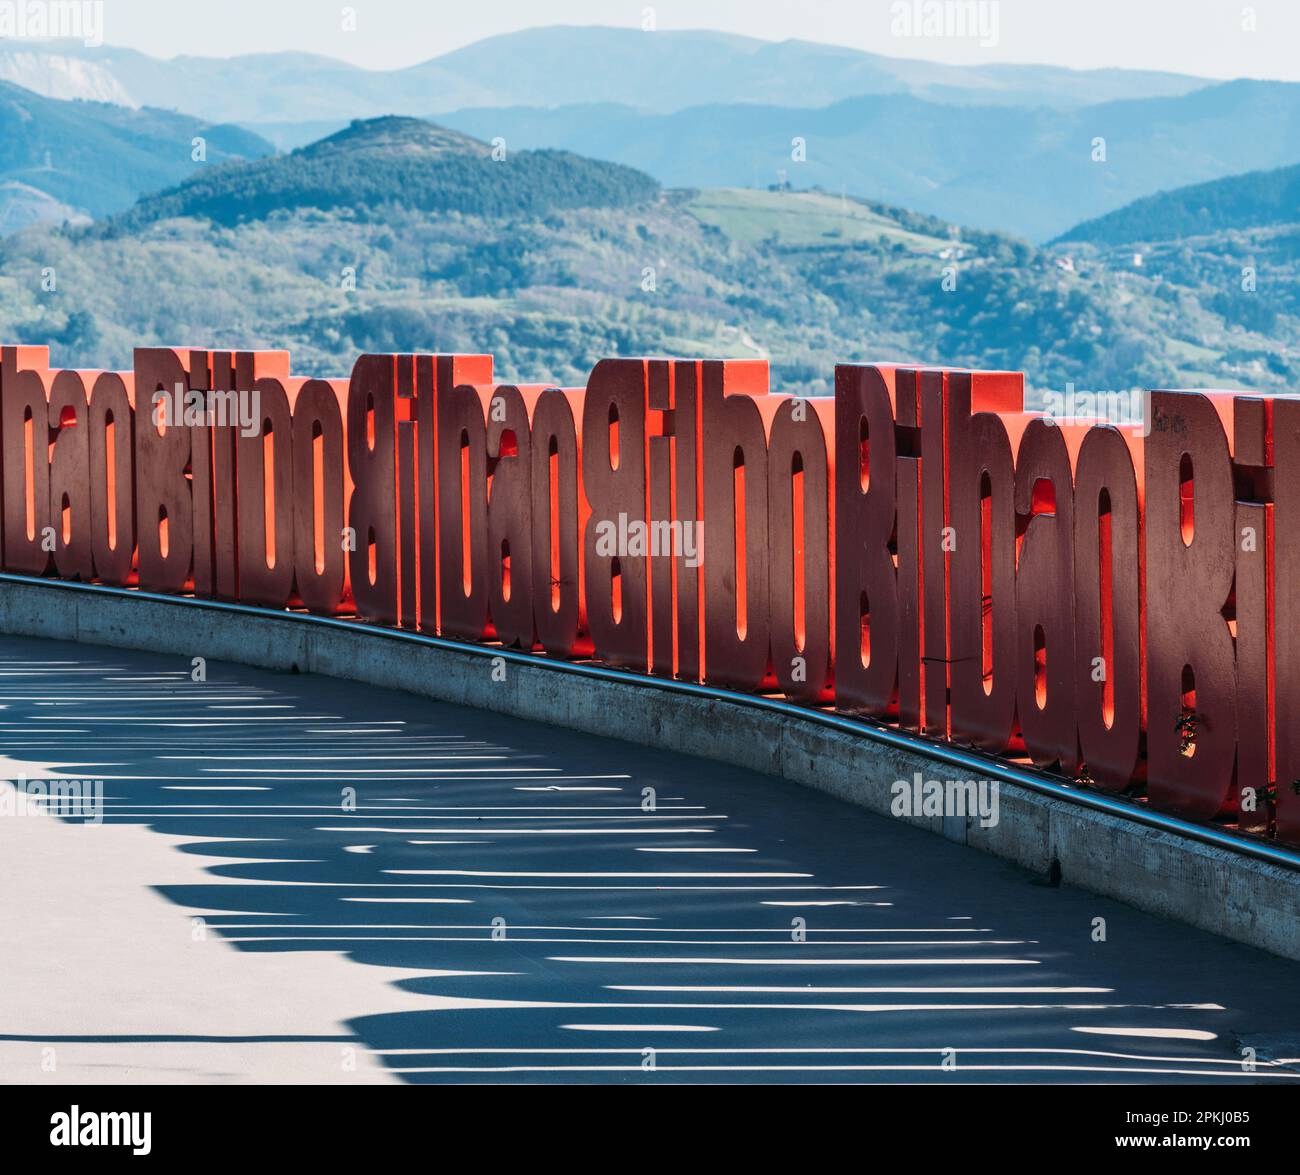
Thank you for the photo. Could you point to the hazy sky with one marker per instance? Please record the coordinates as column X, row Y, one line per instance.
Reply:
column 1214, row 38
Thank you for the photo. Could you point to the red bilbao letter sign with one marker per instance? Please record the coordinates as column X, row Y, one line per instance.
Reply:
column 1098, row 598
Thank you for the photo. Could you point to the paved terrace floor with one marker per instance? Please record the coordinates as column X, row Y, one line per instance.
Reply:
column 501, row 906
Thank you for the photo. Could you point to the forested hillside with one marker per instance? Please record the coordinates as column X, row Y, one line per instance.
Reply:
column 396, row 235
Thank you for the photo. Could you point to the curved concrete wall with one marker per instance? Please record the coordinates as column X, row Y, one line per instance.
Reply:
column 1170, row 873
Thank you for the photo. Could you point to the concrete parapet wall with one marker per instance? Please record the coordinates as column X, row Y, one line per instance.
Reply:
column 1175, row 876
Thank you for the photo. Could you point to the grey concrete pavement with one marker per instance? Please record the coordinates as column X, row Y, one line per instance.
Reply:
column 303, row 879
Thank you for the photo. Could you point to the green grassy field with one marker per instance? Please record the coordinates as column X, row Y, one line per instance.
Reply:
column 803, row 220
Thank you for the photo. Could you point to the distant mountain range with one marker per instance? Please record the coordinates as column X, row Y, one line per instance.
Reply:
column 1233, row 244
column 1258, row 199
column 959, row 162
column 401, row 161
column 73, row 160
column 568, row 259
column 1012, row 148
column 660, row 71
column 1024, row 170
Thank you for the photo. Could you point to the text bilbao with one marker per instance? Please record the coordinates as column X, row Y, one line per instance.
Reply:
column 919, row 548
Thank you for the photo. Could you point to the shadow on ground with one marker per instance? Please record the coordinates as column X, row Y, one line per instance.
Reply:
column 585, row 910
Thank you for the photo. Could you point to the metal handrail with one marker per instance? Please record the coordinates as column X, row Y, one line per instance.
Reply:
column 967, row 759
